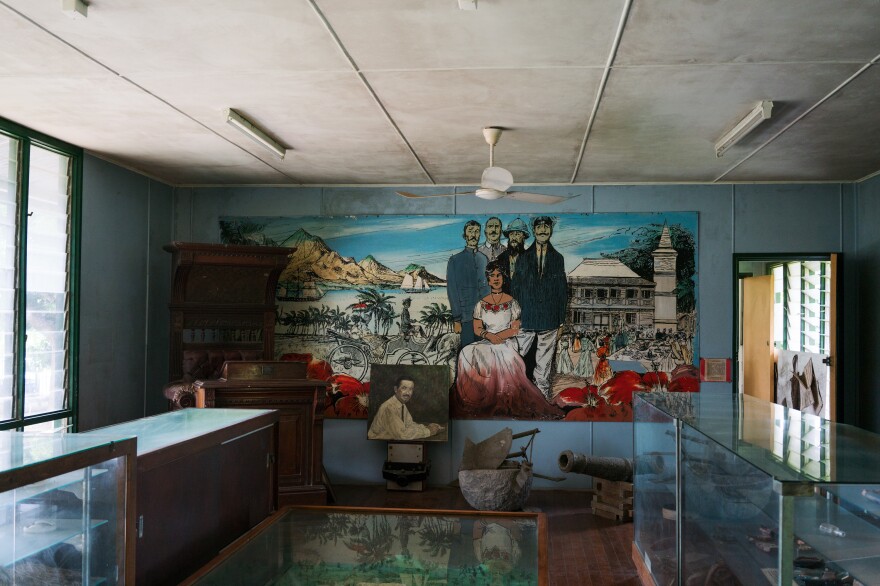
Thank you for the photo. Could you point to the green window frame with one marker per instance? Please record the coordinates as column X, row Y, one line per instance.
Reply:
column 20, row 416
column 801, row 296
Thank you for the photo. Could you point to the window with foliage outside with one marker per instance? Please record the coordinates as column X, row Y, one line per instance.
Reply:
column 39, row 196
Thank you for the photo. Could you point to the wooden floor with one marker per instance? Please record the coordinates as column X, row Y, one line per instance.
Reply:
column 585, row 550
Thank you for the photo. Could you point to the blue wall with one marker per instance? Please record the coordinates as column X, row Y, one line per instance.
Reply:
column 732, row 219
column 125, row 284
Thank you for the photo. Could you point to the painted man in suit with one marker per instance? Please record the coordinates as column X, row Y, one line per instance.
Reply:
column 540, row 286
column 492, row 247
column 393, row 420
column 517, row 233
column 466, row 282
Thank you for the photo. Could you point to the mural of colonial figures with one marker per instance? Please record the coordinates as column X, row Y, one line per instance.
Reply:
column 536, row 317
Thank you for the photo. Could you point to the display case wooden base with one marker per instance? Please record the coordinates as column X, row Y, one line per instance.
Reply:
column 203, row 479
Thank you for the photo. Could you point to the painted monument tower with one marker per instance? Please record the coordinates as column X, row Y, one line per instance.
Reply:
column 665, row 312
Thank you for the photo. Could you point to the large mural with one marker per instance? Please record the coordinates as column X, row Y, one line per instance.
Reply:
column 536, row 317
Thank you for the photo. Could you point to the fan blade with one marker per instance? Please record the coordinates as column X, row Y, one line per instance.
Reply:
column 534, row 197
column 413, row 195
column 496, row 178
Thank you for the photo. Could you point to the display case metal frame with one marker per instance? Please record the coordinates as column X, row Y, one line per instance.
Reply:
column 752, row 484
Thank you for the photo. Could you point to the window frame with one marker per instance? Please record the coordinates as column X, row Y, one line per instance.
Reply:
column 27, row 138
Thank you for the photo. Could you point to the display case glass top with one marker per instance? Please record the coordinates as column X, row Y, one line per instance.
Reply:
column 789, row 446
column 343, row 545
column 22, row 449
column 161, row 431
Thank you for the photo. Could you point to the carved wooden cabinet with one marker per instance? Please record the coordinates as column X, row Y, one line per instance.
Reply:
column 222, row 305
column 299, row 401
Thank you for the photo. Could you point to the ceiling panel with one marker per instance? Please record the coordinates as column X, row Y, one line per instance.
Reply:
column 435, row 34
column 443, row 113
column 749, row 31
column 201, row 36
column 669, row 133
column 335, row 129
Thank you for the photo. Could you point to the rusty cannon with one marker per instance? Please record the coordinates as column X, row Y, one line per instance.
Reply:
column 615, row 469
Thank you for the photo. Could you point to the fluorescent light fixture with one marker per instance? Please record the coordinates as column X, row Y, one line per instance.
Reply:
column 75, row 8
column 760, row 113
column 254, row 132
column 467, row 4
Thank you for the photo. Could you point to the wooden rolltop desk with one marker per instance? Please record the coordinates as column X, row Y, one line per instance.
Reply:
column 222, row 305
column 281, row 385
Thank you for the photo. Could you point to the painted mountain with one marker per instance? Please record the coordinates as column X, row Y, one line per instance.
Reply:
column 315, row 261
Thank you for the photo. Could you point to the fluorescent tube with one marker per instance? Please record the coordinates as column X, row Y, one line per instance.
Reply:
column 254, row 132
column 75, row 8
column 760, row 113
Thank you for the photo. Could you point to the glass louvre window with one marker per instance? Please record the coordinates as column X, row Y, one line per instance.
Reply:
column 8, row 231
column 805, row 291
column 46, row 298
column 39, row 214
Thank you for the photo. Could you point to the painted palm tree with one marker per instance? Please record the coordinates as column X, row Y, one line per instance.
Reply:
column 437, row 318
column 324, row 318
column 302, row 320
column 373, row 304
column 314, row 319
column 385, row 316
column 334, row 317
column 344, row 324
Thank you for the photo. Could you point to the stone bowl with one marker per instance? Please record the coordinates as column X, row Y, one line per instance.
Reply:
column 503, row 489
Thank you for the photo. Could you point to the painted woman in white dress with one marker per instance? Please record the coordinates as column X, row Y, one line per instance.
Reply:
column 491, row 376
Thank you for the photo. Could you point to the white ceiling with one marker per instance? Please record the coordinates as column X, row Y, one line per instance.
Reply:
column 396, row 91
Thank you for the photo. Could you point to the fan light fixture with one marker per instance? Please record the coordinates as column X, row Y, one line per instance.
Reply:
column 760, row 113
column 254, row 132
column 75, row 8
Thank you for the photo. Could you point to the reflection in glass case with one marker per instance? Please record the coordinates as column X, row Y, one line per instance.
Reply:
column 730, row 489
column 342, row 545
column 63, row 516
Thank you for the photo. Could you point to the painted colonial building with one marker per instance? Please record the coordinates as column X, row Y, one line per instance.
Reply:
column 606, row 295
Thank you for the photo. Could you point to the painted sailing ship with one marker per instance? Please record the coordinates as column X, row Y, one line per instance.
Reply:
column 298, row 291
column 417, row 285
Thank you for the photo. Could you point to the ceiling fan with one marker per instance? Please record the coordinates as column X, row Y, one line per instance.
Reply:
column 496, row 180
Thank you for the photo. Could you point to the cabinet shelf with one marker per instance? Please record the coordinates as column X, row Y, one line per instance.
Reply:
column 38, row 488
column 15, row 545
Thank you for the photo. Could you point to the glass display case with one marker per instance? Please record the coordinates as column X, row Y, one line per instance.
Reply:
column 730, row 489
column 204, row 477
column 349, row 545
column 63, row 510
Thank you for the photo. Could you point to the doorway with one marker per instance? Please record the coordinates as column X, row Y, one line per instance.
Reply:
column 786, row 315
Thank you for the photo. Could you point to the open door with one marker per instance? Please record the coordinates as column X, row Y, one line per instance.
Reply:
column 757, row 337
column 787, row 335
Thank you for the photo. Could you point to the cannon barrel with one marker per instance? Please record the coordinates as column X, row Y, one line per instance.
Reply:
column 615, row 469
